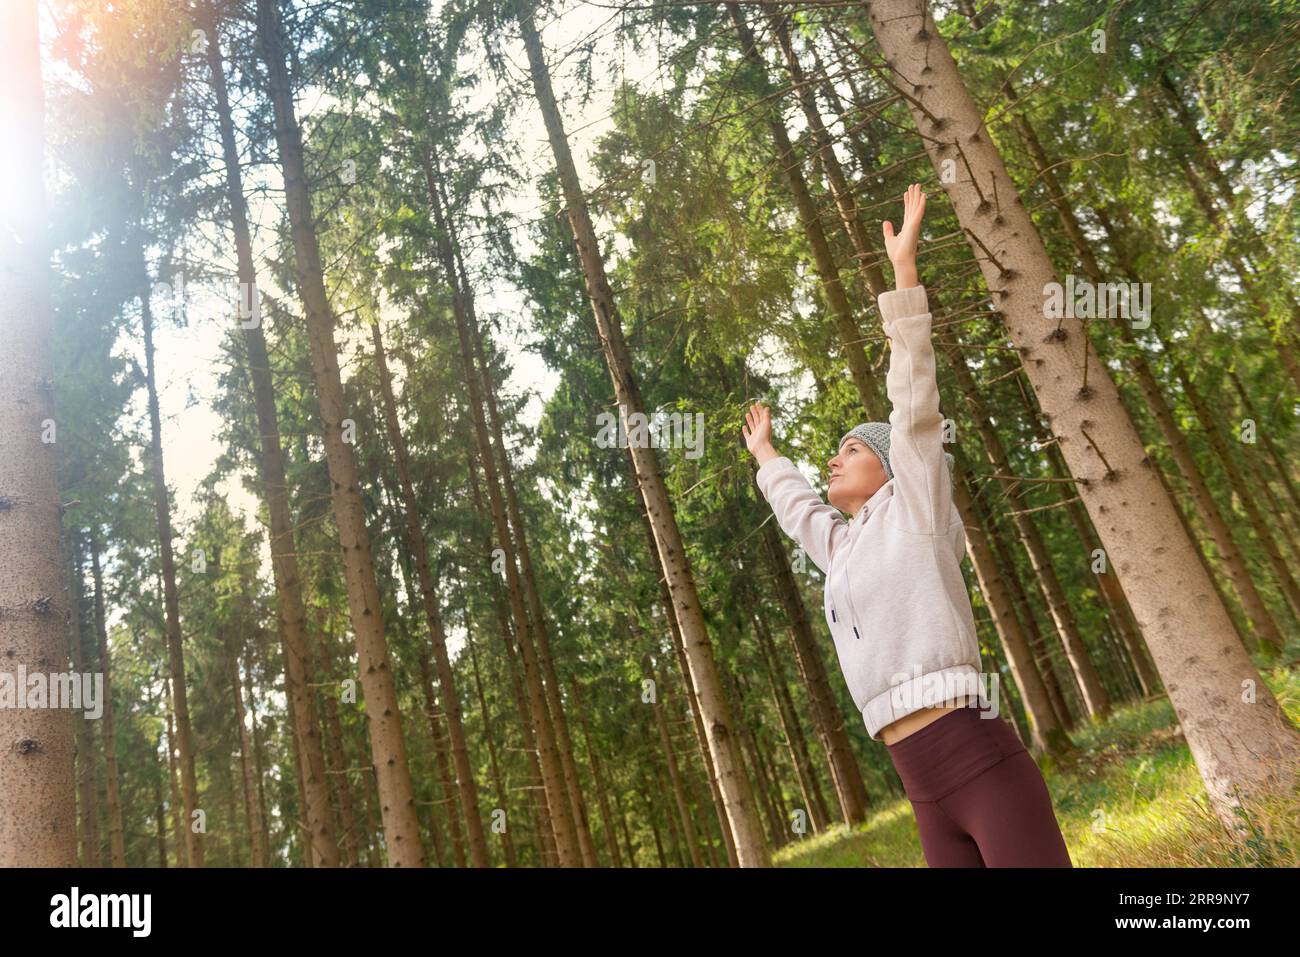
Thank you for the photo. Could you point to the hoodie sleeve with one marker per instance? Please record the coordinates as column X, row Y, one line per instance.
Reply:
column 922, row 483
column 817, row 527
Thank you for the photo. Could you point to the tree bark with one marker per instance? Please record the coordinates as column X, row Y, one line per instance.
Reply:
column 832, row 287
column 827, row 716
column 87, row 793
column 252, row 811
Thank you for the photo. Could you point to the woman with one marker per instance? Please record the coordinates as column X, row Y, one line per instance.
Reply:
column 897, row 605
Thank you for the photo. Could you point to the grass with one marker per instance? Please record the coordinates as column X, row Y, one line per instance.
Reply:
column 1131, row 797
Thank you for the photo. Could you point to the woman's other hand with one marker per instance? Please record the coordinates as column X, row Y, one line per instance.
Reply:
column 758, row 433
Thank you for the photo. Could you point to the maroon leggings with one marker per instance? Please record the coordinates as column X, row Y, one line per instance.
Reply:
column 978, row 796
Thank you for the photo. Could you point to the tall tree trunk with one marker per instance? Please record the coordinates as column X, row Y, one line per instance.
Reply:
column 37, row 783
column 557, row 790
column 1094, row 694
column 537, row 790
column 171, row 596
column 666, row 602
column 1046, row 734
column 108, row 732
column 602, row 797
column 795, row 742
column 1230, row 555
column 290, row 613
column 670, row 759
column 466, row 788
column 349, row 823
column 1282, row 468
column 1262, row 623
column 1237, row 481
column 751, row 846
column 178, row 829
column 864, row 248
column 1238, row 744
column 563, row 740
column 383, row 714
column 258, row 764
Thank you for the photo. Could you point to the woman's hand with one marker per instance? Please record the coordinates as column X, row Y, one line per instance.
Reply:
column 902, row 247
column 758, row 433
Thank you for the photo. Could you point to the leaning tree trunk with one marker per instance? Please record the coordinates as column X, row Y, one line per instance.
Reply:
column 291, row 616
column 252, row 811
column 178, row 831
column 1046, row 734
column 1095, row 697
column 1243, row 744
column 383, row 714
column 545, row 833
column 827, row 717
column 670, row 758
column 563, row 740
column 1230, row 555
column 738, row 798
column 489, row 738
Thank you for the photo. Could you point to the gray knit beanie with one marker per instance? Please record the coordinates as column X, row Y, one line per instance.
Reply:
column 876, row 436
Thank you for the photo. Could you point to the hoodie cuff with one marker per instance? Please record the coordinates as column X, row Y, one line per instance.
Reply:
column 902, row 303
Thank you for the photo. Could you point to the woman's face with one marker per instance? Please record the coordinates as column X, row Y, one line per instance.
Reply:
column 856, row 475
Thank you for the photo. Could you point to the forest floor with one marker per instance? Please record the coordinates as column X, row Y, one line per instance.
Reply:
column 1132, row 797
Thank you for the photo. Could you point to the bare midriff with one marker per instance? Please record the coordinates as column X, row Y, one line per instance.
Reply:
column 910, row 724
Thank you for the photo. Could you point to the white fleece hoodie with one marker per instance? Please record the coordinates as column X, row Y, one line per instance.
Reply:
column 895, row 599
